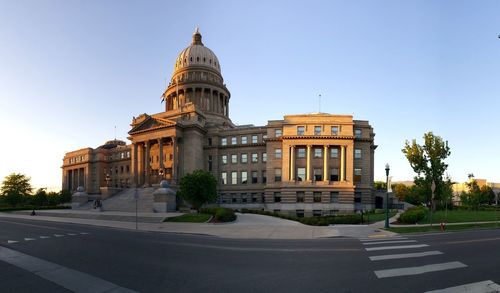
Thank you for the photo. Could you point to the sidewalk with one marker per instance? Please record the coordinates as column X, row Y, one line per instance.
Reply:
column 247, row 226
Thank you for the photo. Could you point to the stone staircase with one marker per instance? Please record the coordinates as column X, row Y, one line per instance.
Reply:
column 124, row 201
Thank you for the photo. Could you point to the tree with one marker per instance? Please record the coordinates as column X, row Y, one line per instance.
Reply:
column 400, row 191
column 15, row 187
column 198, row 188
column 428, row 162
column 380, row 185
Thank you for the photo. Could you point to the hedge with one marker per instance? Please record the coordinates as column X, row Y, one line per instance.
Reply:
column 413, row 215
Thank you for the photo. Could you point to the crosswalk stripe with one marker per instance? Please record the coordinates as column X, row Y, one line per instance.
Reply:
column 44, row 237
column 382, row 239
column 389, row 242
column 395, row 247
column 71, row 234
column 84, row 233
column 404, row 255
column 12, row 241
column 29, row 239
column 58, row 235
column 419, row 270
column 479, row 287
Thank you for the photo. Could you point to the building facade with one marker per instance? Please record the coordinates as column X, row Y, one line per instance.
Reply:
column 310, row 164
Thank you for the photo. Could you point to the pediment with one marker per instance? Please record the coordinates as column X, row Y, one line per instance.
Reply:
column 152, row 123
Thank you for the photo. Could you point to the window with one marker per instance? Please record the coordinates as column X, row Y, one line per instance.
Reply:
column 278, row 132
column 234, row 159
column 299, row 213
column 318, row 174
column 264, row 136
column 244, row 197
column 244, row 177
column 317, row 196
column 223, row 177
column 317, row 130
column 334, row 197
column 317, row 152
column 127, row 168
column 357, row 197
column 210, row 163
column 277, row 197
column 301, row 130
column 264, row 157
column 244, row 140
column 224, row 159
column 277, row 153
column 316, row 213
column 254, row 176
column 254, row 197
column 234, row 177
column 357, row 174
column 209, row 141
column 264, row 178
column 357, row 133
column 301, row 174
column 128, row 154
column 255, row 158
column 234, row 140
column 357, row 153
column 255, row 138
column 223, row 141
column 301, row 153
column 334, row 174
column 300, row 196
column 244, row 158
column 334, row 153
column 335, row 130
column 277, row 175
column 233, row 197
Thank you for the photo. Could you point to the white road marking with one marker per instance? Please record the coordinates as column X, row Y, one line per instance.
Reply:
column 419, row 270
column 382, row 239
column 479, row 287
column 71, row 234
column 70, row 279
column 44, row 237
column 29, row 239
column 404, row 255
column 12, row 241
column 396, row 247
column 58, row 235
column 84, row 233
column 389, row 242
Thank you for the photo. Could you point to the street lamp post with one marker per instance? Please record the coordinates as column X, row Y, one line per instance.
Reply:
column 387, row 168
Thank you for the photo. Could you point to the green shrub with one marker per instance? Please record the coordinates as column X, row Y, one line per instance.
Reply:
column 413, row 215
column 224, row 215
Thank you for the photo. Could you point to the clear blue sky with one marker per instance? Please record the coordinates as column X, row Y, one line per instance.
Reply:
column 72, row 70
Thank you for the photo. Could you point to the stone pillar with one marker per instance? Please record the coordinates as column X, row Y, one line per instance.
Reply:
column 325, row 163
column 148, row 149
column 308, row 163
column 292, row 163
column 134, row 164
column 160, row 146
column 342, row 163
column 174, row 164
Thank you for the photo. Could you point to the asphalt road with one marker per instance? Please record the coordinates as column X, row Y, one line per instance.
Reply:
column 88, row 258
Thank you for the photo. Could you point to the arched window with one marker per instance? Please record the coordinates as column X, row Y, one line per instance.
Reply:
column 191, row 59
column 197, row 59
column 210, row 61
column 204, row 59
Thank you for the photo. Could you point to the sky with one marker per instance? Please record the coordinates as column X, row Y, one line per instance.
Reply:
column 70, row 71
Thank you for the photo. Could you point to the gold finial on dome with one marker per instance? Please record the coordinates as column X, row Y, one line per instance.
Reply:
column 197, row 37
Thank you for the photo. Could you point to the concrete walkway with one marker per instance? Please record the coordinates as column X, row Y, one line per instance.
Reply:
column 247, row 226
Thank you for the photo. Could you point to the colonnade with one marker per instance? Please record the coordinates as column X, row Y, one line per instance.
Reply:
column 326, row 149
column 206, row 98
column 74, row 178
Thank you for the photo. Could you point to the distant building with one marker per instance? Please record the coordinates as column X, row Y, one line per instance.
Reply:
column 309, row 164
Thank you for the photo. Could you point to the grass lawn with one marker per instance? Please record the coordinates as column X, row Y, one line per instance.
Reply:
column 372, row 218
column 436, row 228
column 459, row 216
column 190, row 218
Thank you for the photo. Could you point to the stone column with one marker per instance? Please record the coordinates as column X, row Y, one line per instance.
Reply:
column 160, row 145
column 325, row 163
column 134, row 164
column 174, row 164
column 148, row 149
column 292, row 163
column 308, row 163
column 342, row 163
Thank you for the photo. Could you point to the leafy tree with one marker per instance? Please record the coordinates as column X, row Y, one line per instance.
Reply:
column 65, row 196
column 380, row 185
column 427, row 161
column 198, row 188
column 476, row 195
column 400, row 191
column 40, row 197
column 15, row 187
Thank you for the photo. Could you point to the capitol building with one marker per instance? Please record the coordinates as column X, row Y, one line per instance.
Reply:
column 303, row 165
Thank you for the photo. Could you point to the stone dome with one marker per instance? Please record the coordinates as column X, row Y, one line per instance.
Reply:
column 196, row 55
